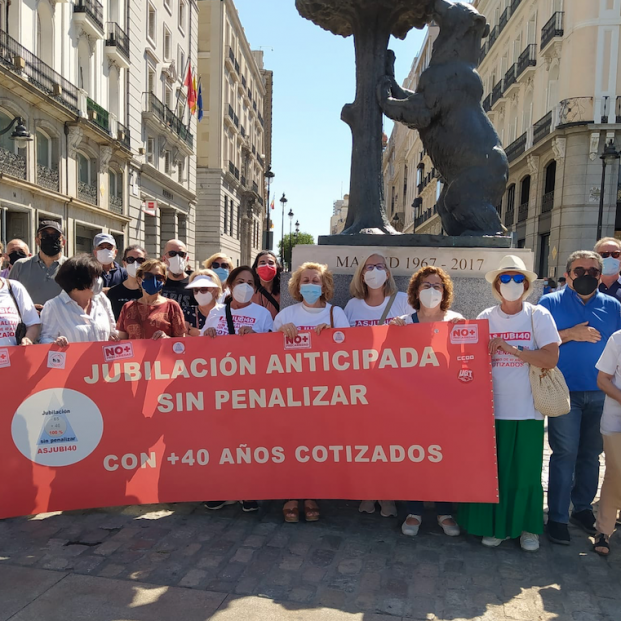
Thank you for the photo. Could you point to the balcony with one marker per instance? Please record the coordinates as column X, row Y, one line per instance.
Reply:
column 516, row 148
column 504, row 19
column 12, row 164
column 511, row 80
column 575, row 111
column 97, row 115
column 87, row 192
column 123, row 136
column 21, row 62
column 547, row 202
column 487, row 103
column 542, row 128
column 243, row 181
column 514, row 5
column 89, row 15
column 157, row 112
column 115, row 204
column 254, row 106
column 48, row 177
column 242, row 131
column 229, row 117
column 255, row 187
column 261, row 119
column 493, row 35
column 236, row 120
column 527, row 60
column 236, row 66
column 229, row 60
column 244, row 83
column 523, row 212
column 260, row 160
column 497, row 92
column 510, row 217
column 233, row 170
column 117, row 45
column 552, row 30
column 249, row 94
column 483, row 53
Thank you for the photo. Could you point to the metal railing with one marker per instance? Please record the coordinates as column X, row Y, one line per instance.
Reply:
column 576, row 111
column 242, row 130
column 511, row 76
column 92, row 8
column 232, row 168
column 115, row 204
column 231, row 55
column 261, row 119
column 504, row 18
column 48, row 177
column 547, row 202
column 236, row 120
column 516, row 148
column 87, row 192
column 236, row 66
column 26, row 65
column 98, row 115
column 497, row 91
column 12, row 164
column 523, row 212
column 123, row 136
column 514, row 5
column 542, row 128
column 553, row 28
column 483, row 52
column 249, row 93
column 243, row 81
column 255, row 187
column 254, row 106
column 510, row 217
column 528, row 58
column 493, row 35
column 487, row 103
column 170, row 119
column 117, row 37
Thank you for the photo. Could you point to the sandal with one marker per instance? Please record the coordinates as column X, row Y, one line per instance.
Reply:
column 311, row 511
column 291, row 511
column 603, row 543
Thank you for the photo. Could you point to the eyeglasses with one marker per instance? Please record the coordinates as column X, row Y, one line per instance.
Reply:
column 157, row 277
column 377, row 266
column 130, row 260
column 592, row 271
column 614, row 255
column 204, row 290
column 505, row 279
column 215, row 265
column 175, row 253
column 435, row 286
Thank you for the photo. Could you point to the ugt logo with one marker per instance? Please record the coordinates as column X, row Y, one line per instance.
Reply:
column 465, row 376
column 461, row 334
column 118, row 351
column 301, row 341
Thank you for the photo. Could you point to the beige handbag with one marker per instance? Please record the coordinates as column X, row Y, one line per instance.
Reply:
column 550, row 392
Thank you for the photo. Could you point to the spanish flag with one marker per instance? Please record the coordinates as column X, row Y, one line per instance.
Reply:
column 190, row 82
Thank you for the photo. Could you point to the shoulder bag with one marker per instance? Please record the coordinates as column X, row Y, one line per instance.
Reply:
column 550, row 392
column 229, row 318
column 20, row 331
column 269, row 297
column 387, row 309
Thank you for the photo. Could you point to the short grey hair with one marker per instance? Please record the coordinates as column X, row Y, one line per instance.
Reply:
column 584, row 254
column 607, row 240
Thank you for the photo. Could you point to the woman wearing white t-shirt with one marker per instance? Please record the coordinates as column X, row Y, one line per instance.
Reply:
column 430, row 293
column 519, row 426
column 312, row 286
column 16, row 306
column 238, row 315
column 375, row 297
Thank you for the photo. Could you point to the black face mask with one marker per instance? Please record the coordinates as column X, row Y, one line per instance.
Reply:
column 585, row 285
column 51, row 246
column 16, row 255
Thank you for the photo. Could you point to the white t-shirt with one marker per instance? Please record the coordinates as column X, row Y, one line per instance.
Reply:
column 253, row 315
column 359, row 313
column 610, row 363
column 449, row 316
column 9, row 316
column 306, row 318
column 513, row 398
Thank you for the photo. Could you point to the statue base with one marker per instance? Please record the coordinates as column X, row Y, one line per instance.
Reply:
column 415, row 241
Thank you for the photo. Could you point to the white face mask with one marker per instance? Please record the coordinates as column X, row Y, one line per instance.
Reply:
column 105, row 257
column 512, row 291
column 430, row 298
column 375, row 278
column 204, row 299
column 131, row 269
column 243, row 293
column 176, row 265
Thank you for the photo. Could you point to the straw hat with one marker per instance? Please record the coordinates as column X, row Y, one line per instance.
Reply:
column 510, row 263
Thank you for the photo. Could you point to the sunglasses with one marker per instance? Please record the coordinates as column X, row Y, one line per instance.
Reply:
column 157, row 277
column 204, row 290
column 177, row 253
column 377, row 266
column 592, row 271
column 215, row 265
column 614, row 255
column 51, row 235
column 130, row 260
column 505, row 279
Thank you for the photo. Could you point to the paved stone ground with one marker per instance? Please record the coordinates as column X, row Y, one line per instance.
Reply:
column 347, row 562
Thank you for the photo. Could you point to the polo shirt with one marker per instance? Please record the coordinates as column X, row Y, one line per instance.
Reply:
column 37, row 277
column 115, row 276
column 577, row 359
column 613, row 290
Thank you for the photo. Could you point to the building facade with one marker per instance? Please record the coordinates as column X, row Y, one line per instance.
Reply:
column 234, row 141
column 552, row 81
column 339, row 215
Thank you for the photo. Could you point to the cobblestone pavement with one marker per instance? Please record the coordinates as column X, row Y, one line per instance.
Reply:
column 346, row 562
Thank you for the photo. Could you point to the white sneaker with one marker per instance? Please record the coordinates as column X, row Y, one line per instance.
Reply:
column 452, row 530
column 492, row 542
column 367, row 506
column 388, row 508
column 529, row 542
column 411, row 530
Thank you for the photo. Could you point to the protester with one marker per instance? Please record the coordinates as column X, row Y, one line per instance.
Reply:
column 549, row 286
column 375, row 297
column 220, row 264
column 586, row 318
column 312, row 285
column 239, row 314
column 133, row 257
column 562, row 282
column 81, row 313
column 521, row 335
column 38, row 273
column 153, row 316
column 609, row 249
column 206, row 289
column 16, row 307
column 429, row 296
column 176, row 258
column 609, row 381
column 16, row 249
column 104, row 250
column 268, row 269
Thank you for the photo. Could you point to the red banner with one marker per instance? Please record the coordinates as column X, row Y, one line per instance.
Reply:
column 401, row 413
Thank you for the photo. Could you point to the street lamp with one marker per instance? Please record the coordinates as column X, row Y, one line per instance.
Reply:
column 283, row 202
column 20, row 134
column 290, row 214
column 395, row 221
column 609, row 155
column 269, row 175
column 297, row 229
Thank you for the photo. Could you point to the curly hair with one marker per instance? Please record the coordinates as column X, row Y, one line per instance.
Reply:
column 327, row 281
column 417, row 279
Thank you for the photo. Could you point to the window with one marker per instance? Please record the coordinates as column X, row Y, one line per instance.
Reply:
column 168, row 98
column 181, row 170
column 44, row 150
column 226, row 214
column 525, row 190
column 115, row 184
column 87, row 173
column 151, row 22
column 181, row 68
column 167, row 4
column 182, row 14
column 150, row 81
column 511, row 198
column 550, row 177
column 231, row 219
column 167, row 162
column 167, row 44
column 151, row 150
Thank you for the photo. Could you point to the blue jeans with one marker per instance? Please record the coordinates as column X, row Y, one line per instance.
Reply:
column 576, row 444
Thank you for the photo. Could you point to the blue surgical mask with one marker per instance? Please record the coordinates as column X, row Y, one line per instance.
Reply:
column 611, row 266
column 151, row 285
column 222, row 273
column 310, row 293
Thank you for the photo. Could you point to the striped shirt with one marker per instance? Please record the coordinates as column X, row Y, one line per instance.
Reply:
column 62, row 316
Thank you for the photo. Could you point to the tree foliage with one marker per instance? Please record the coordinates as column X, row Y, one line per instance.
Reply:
column 290, row 241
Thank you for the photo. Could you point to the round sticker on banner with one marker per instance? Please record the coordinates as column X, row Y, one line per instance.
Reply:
column 57, row 427
column 338, row 337
column 178, row 347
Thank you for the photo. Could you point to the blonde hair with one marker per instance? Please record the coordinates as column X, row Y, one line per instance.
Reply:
column 212, row 275
column 359, row 289
column 219, row 255
column 327, row 281
column 148, row 265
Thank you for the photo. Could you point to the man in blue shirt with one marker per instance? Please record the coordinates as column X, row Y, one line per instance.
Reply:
column 585, row 319
column 609, row 249
column 104, row 249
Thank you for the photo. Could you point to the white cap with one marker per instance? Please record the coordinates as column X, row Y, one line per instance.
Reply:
column 203, row 281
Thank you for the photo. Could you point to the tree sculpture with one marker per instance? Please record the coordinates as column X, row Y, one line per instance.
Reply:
column 371, row 22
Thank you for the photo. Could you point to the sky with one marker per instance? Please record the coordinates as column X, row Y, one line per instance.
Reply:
column 314, row 77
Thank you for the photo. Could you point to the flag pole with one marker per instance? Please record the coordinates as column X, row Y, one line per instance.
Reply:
column 185, row 70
